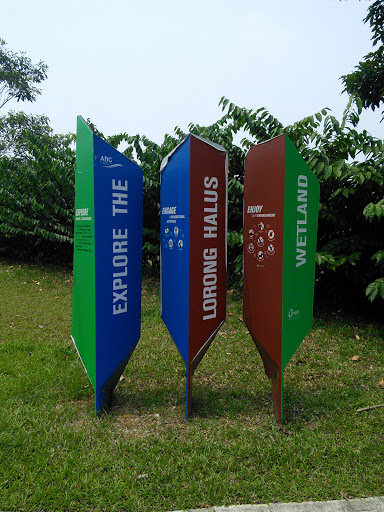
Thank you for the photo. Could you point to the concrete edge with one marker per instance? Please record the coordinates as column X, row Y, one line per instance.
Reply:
column 353, row 505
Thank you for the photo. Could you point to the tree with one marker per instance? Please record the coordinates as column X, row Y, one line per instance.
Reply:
column 37, row 192
column 37, row 199
column 350, row 167
column 13, row 133
column 367, row 82
column 18, row 75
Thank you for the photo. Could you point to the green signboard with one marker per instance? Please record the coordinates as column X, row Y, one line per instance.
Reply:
column 281, row 202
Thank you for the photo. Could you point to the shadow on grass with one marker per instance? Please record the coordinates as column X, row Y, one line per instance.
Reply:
column 228, row 402
column 225, row 403
column 305, row 405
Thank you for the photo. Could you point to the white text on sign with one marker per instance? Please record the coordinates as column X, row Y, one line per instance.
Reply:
column 210, row 255
column 301, row 236
column 119, row 197
column 210, row 207
column 119, row 249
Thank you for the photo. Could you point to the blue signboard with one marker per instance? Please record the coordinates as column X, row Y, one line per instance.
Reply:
column 193, row 222
column 107, row 261
column 174, row 229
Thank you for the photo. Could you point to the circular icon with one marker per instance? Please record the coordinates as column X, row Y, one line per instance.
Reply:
column 260, row 255
column 260, row 226
column 251, row 248
column 176, row 230
column 170, row 243
column 271, row 234
column 180, row 244
column 166, row 230
column 271, row 249
column 251, row 233
column 260, row 241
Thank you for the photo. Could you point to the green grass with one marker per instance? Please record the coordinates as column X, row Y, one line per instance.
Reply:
column 144, row 455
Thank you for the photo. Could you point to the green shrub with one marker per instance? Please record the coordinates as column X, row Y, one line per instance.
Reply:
column 350, row 168
column 37, row 199
column 37, row 194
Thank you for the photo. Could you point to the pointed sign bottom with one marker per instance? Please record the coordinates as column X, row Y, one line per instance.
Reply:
column 273, row 372
column 104, row 392
column 191, row 367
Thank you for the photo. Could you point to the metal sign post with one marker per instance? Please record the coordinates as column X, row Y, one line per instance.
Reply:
column 107, row 261
column 193, row 227
column 281, row 203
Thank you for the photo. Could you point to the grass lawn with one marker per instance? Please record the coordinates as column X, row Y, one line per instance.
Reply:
column 143, row 455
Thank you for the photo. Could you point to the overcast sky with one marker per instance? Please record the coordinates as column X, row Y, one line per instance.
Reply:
column 148, row 66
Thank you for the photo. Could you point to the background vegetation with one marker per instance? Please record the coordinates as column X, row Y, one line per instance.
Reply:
column 37, row 169
column 37, row 191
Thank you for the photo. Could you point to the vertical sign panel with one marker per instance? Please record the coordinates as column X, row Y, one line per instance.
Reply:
column 281, row 197
column 193, row 247
column 107, row 284
column 302, row 192
column 174, row 236
column 83, row 307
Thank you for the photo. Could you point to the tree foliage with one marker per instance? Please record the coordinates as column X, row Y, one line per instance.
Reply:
column 14, row 139
column 350, row 167
column 37, row 172
column 18, row 76
column 37, row 192
column 37, row 199
column 348, row 163
column 367, row 81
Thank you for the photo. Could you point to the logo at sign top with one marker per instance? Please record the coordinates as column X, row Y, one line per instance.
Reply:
column 106, row 161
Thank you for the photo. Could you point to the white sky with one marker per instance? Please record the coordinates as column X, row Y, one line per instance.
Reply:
column 148, row 66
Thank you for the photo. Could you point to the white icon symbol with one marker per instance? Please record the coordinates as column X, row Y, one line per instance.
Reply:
column 260, row 241
column 170, row 243
column 251, row 248
column 251, row 233
column 271, row 234
column 176, row 230
column 166, row 231
column 260, row 255
column 180, row 244
column 271, row 249
column 261, row 226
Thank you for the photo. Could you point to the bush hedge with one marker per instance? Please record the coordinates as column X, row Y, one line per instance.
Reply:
column 37, row 194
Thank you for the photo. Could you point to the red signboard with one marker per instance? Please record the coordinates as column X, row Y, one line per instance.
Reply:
column 281, row 198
